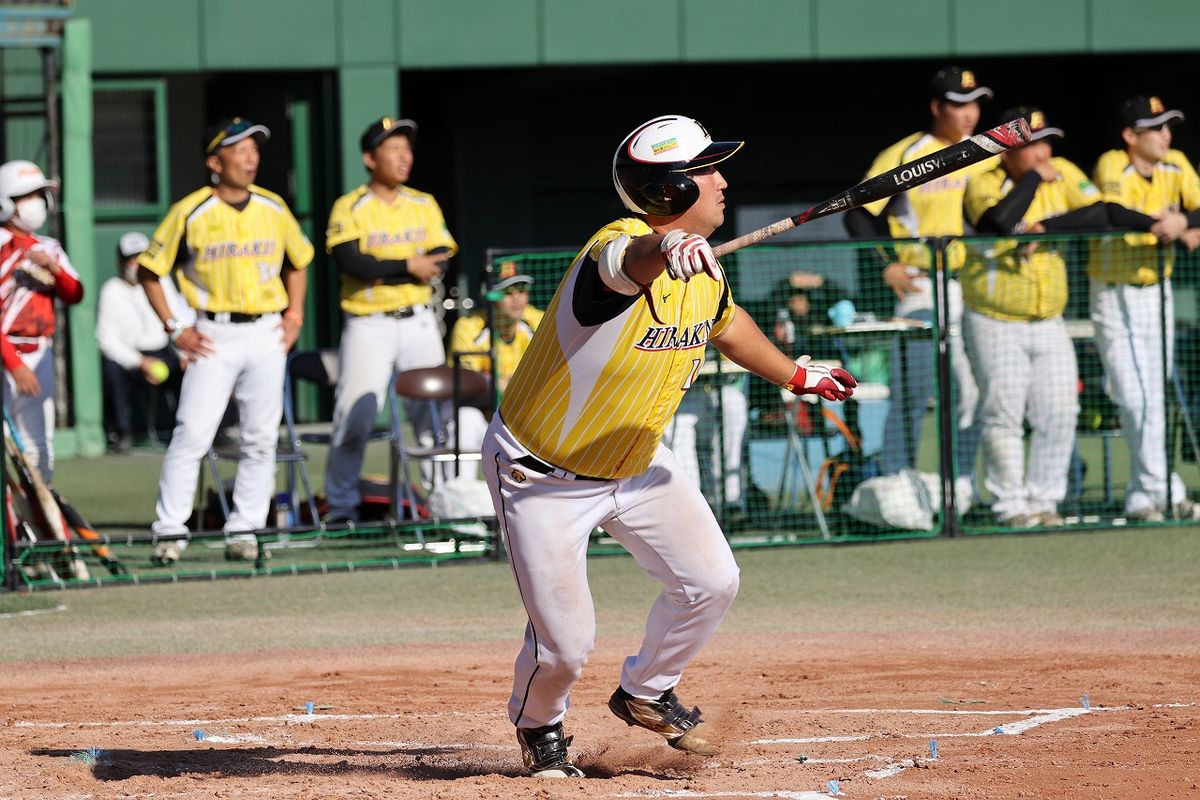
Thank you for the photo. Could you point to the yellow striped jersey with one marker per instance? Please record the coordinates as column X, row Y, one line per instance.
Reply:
column 409, row 226
column 931, row 209
column 471, row 335
column 1133, row 257
column 1009, row 280
column 603, row 376
column 229, row 260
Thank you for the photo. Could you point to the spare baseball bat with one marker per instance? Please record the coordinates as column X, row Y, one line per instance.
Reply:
column 39, row 494
column 84, row 530
column 904, row 177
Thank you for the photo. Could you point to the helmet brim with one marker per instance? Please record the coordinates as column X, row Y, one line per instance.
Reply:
column 714, row 154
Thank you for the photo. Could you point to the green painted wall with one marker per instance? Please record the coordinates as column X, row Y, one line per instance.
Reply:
column 186, row 35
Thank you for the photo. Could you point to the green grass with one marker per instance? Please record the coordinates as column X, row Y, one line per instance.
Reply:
column 1100, row 581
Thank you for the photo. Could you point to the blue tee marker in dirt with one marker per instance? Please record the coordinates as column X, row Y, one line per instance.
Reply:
column 933, row 749
column 308, row 708
column 997, row 729
column 834, row 787
column 1086, row 702
column 199, row 734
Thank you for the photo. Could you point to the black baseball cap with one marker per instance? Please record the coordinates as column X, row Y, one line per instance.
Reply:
column 1036, row 119
column 232, row 130
column 384, row 127
column 1147, row 112
column 957, row 85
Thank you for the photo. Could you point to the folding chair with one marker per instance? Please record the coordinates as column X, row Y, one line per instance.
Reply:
column 435, row 386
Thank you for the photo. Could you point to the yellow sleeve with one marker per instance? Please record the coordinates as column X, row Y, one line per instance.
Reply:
column 164, row 244
column 533, row 316
column 439, row 235
column 726, row 311
column 1189, row 183
column 983, row 192
column 1107, row 177
column 342, row 227
column 297, row 246
column 1080, row 191
column 464, row 339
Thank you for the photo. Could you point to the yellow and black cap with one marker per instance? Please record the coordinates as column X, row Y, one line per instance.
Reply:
column 1147, row 111
column 1036, row 119
column 957, row 85
column 230, row 131
column 509, row 276
column 382, row 128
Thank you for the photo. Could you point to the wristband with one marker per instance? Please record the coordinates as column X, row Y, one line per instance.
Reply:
column 176, row 333
column 796, row 382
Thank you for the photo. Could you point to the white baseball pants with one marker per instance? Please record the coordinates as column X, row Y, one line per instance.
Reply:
column 373, row 349
column 248, row 362
column 660, row 517
column 1129, row 333
column 33, row 416
column 1025, row 370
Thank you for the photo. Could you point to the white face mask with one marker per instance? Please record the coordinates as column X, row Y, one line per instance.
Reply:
column 31, row 213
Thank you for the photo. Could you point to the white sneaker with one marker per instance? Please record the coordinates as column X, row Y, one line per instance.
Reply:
column 166, row 554
column 1186, row 509
column 243, row 550
column 1022, row 521
column 1050, row 519
column 1146, row 514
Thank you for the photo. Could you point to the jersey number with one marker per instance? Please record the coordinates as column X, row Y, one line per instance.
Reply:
column 691, row 378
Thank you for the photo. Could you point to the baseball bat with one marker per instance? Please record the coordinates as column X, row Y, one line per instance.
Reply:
column 39, row 493
column 904, row 177
column 84, row 530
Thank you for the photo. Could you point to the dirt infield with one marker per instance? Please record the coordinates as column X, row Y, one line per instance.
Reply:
column 1007, row 712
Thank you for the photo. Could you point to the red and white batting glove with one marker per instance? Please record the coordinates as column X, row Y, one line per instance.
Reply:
column 688, row 254
column 831, row 384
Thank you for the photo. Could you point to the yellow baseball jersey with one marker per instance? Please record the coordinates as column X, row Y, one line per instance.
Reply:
column 931, row 209
column 411, row 225
column 229, row 260
column 1003, row 279
column 603, row 376
column 1133, row 257
column 471, row 335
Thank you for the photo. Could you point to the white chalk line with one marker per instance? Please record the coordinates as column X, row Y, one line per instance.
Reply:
column 286, row 718
column 33, row 612
column 783, row 795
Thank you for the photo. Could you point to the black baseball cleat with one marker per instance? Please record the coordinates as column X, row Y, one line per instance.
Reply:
column 544, row 751
column 683, row 730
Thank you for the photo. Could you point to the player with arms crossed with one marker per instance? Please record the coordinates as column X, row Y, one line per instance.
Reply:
column 577, row 442
column 241, row 257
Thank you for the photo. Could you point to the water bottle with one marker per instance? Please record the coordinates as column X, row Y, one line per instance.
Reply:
column 784, row 318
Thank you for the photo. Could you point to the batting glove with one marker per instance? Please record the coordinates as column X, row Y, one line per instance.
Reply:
column 831, row 384
column 688, row 254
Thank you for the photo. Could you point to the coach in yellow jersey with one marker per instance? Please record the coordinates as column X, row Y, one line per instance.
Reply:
column 933, row 209
column 390, row 243
column 240, row 258
column 577, row 442
column 1154, row 191
column 1015, row 293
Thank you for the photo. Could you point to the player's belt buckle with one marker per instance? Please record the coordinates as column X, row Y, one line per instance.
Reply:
column 404, row 312
column 542, row 468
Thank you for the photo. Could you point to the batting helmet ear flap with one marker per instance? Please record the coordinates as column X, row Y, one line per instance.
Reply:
column 667, row 193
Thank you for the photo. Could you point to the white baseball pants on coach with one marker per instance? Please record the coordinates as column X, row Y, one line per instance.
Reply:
column 373, row 348
column 660, row 517
column 1128, row 323
column 33, row 416
column 1024, row 370
column 248, row 362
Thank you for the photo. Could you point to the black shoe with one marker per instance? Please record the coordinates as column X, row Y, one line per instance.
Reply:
column 683, row 730
column 544, row 751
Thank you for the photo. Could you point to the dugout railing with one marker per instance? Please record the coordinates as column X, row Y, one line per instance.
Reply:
column 899, row 461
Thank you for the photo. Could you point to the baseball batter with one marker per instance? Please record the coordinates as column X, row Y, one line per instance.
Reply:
column 933, row 209
column 1015, row 294
column 241, row 258
column 577, row 442
column 1152, row 189
column 34, row 270
column 390, row 242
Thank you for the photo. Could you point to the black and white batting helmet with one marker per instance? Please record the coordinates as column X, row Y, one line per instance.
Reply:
column 650, row 168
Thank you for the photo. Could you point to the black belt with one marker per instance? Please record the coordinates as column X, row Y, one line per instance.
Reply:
column 542, row 468
column 230, row 316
